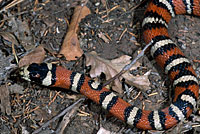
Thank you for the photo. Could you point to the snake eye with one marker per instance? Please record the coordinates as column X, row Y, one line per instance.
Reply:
column 34, row 75
column 37, row 75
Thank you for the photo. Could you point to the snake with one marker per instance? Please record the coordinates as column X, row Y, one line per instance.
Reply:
column 166, row 53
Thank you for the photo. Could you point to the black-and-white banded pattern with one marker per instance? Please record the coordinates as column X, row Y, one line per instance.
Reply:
column 132, row 115
column 176, row 62
column 189, row 99
column 108, row 100
column 157, row 119
column 154, row 20
column 185, row 78
column 159, row 44
column 77, row 81
column 166, row 4
column 188, row 6
column 174, row 111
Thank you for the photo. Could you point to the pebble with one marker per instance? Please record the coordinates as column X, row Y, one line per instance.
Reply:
column 97, row 4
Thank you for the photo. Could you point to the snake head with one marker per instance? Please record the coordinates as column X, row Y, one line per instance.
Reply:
column 39, row 73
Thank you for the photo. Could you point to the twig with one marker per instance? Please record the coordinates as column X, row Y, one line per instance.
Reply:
column 122, row 34
column 54, row 98
column 13, row 3
column 127, row 67
column 84, row 2
column 58, row 116
column 132, row 8
column 66, row 119
column 14, row 52
column 135, row 7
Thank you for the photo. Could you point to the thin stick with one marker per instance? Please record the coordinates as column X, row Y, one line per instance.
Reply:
column 127, row 67
column 13, row 3
column 57, row 116
column 66, row 119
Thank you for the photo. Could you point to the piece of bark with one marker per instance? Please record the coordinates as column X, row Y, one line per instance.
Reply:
column 5, row 100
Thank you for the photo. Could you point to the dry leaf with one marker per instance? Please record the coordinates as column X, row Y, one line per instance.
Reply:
column 142, row 82
column 99, row 65
column 113, row 67
column 5, row 100
column 10, row 37
column 71, row 46
column 36, row 56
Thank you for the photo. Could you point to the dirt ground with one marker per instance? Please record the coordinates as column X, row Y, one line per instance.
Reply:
column 26, row 106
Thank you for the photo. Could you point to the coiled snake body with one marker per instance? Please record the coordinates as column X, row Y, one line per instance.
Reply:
column 167, row 55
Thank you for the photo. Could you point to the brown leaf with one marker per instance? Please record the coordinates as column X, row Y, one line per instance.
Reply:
column 142, row 82
column 112, row 67
column 10, row 37
column 36, row 56
column 71, row 46
column 5, row 100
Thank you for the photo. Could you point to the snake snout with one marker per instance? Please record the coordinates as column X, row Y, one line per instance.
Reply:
column 35, row 72
column 24, row 73
column 31, row 72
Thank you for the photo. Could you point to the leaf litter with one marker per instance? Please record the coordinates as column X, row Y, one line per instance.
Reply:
column 117, row 29
column 112, row 67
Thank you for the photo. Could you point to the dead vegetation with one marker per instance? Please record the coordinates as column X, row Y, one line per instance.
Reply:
column 108, row 34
